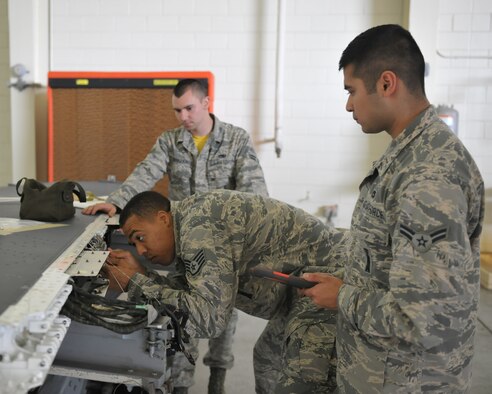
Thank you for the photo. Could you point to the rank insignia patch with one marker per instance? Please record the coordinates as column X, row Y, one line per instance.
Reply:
column 253, row 157
column 195, row 265
column 421, row 241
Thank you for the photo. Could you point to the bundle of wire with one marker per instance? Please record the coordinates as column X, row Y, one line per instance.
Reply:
column 119, row 316
column 122, row 317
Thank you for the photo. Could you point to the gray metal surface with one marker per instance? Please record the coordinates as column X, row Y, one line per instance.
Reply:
column 100, row 349
column 63, row 385
column 24, row 256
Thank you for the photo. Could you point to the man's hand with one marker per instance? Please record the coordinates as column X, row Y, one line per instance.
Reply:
column 120, row 266
column 325, row 293
column 105, row 207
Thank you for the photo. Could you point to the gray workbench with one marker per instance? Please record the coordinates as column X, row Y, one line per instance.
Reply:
column 24, row 256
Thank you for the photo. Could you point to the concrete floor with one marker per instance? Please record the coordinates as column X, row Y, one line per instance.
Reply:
column 482, row 367
column 240, row 378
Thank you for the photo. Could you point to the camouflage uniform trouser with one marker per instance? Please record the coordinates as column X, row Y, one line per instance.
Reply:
column 296, row 351
column 219, row 355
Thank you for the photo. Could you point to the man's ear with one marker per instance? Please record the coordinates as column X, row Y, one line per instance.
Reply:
column 165, row 217
column 387, row 83
column 206, row 102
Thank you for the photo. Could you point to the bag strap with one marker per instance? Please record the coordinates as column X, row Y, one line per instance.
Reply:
column 17, row 185
column 79, row 193
column 30, row 183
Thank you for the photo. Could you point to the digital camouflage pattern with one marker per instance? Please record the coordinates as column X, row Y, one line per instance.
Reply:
column 296, row 351
column 227, row 161
column 408, row 307
column 220, row 349
column 219, row 237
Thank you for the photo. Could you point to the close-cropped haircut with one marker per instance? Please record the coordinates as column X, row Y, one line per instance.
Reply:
column 198, row 88
column 386, row 48
column 145, row 204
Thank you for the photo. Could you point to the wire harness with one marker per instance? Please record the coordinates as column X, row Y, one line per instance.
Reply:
column 121, row 316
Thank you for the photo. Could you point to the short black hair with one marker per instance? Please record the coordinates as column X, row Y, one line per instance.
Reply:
column 199, row 88
column 145, row 204
column 386, row 47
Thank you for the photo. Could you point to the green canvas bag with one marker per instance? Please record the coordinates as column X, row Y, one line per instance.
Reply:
column 48, row 204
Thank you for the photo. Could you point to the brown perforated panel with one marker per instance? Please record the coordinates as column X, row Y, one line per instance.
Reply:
column 101, row 132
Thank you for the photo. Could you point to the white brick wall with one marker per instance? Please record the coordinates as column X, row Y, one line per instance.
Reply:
column 325, row 154
column 465, row 31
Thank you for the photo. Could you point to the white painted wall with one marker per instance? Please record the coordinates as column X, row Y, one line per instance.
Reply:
column 464, row 31
column 325, row 154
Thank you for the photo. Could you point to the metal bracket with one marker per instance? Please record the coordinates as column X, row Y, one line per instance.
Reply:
column 20, row 85
column 88, row 263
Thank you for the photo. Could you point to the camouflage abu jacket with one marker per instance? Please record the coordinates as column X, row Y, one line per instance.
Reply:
column 219, row 236
column 227, row 161
column 408, row 308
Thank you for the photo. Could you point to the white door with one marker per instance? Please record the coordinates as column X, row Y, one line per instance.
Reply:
column 29, row 47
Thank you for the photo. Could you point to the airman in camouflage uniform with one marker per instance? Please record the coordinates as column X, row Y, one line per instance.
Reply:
column 217, row 238
column 227, row 161
column 407, row 307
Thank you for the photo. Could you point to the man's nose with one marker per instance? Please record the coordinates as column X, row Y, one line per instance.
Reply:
column 183, row 115
column 349, row 107
column 140, row 249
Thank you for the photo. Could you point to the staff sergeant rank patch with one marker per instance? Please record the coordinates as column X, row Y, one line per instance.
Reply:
column 195, row 265
column 421, row 241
